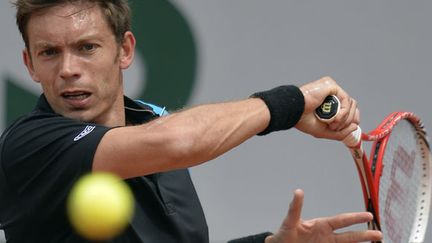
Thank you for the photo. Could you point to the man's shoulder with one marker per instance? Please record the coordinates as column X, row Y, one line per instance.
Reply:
column 39, row 129
column 24, row 119
column 35, row 120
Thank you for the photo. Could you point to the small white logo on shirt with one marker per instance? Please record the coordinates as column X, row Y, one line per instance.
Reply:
column 85, row 132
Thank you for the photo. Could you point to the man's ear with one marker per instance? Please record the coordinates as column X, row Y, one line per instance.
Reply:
column 127, row 50
column 29, row 64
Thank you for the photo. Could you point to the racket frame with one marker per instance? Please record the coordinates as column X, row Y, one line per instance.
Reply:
column 370, row 170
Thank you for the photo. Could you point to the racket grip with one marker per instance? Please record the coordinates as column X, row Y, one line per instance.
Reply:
column 328, row 111
column 354, row 138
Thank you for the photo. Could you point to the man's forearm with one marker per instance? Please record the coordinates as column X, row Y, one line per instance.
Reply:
column 182, row 139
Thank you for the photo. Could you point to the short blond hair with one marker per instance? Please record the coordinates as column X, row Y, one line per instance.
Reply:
column 117, row 14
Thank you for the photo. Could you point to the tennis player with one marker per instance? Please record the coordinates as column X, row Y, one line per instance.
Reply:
column 83, row 122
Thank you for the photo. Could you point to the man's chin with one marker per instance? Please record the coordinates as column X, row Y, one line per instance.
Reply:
column 79, row 116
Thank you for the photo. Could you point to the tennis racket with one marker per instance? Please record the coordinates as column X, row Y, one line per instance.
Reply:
column 396, row 179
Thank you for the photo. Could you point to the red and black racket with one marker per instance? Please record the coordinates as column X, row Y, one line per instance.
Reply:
column 396, row 178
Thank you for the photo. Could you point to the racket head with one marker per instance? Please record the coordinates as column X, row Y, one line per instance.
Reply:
column 401, row 168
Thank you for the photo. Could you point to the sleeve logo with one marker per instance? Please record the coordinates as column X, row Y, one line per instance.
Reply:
column 85, row 132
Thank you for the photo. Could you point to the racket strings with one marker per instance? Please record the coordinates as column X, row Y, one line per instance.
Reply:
column 424, row 193
column 403, row 185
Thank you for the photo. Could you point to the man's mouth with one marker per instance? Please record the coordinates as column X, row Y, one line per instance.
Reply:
column 75, row 95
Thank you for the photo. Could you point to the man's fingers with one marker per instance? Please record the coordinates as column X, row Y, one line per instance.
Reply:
column 294, row 212
column 359, row 236
column 342, row 134
column 357, row 116
column 348, row 219
column 347, row 115
column 349, row 119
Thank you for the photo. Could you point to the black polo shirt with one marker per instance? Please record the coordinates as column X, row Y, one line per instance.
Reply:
column 43, row 154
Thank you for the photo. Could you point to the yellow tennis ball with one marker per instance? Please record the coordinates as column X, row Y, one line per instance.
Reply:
column 100, row 206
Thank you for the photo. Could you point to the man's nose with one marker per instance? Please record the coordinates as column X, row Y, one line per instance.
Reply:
column 69, row 67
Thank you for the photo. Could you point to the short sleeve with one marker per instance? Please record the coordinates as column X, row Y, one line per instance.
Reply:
column 41, row 159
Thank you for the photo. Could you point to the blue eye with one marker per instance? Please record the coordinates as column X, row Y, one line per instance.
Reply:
column 88, row 47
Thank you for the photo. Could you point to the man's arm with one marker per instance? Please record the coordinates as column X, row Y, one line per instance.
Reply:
column 181, row 139
column 202, row 133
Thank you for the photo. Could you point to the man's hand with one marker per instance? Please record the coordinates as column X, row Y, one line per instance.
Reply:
column 321, row 230
column 345, row 121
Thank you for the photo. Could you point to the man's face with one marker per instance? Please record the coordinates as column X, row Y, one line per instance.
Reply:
column 73, row 53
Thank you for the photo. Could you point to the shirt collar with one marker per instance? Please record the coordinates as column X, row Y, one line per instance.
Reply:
column 136, row 113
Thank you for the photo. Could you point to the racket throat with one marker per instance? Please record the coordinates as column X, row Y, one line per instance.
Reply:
column 375, row 222
column 375, row 157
